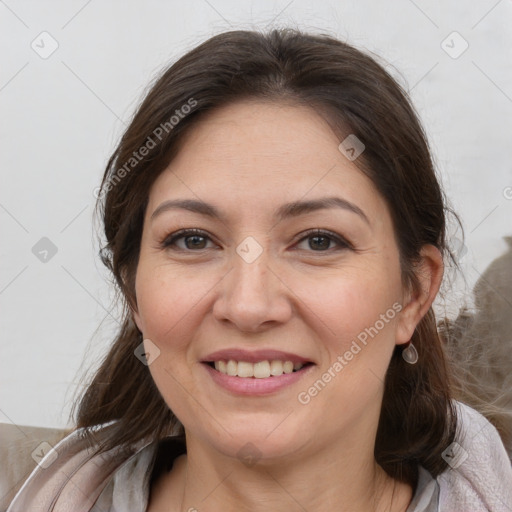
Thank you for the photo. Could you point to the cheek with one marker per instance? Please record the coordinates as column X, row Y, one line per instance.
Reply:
column 356, row 321
column 167, row 298
column 357, row 314
column 348, row 303
column 169, row 302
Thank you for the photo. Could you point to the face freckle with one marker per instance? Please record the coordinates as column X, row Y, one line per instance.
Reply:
column 259, row 285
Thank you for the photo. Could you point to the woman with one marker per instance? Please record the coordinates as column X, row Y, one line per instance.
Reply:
column 276, row 228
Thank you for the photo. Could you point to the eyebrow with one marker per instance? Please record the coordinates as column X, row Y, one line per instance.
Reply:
column 285, row 211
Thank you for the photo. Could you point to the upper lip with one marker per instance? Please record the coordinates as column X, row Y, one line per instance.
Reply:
column 254, row 356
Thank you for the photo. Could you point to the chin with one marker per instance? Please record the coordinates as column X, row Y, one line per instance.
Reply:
column 253, row 444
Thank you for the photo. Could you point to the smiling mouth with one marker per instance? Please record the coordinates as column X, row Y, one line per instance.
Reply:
column 259, row 370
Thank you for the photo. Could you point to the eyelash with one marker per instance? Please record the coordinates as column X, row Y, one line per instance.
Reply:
column 171, row 239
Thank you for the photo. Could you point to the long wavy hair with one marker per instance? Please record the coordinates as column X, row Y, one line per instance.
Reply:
column 355, row 95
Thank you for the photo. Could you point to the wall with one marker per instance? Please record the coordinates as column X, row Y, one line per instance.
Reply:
column 62, row 113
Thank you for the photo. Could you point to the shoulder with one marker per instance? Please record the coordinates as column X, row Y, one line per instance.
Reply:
column 479, row 473
column 22, row 447
column 479, row 476
column 74, row 476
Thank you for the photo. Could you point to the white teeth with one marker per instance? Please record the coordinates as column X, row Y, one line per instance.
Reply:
column 276, row 368
column 231, row 368
column 288, row 367
column 245, row 369
column 259, row 370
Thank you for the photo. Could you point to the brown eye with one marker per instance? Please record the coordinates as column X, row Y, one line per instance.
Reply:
column 192, row 240
column 320, row 241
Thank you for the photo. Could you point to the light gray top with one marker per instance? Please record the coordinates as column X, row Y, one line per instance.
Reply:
column 479, row 478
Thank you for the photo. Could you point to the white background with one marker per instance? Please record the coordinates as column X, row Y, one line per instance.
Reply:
column 62, row 115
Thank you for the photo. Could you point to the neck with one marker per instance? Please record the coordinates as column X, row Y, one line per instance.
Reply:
column 204, row 480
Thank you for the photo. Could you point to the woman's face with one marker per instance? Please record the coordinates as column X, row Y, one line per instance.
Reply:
column 256, row 283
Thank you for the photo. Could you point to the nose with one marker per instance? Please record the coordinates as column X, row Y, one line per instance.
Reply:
column 252, row 297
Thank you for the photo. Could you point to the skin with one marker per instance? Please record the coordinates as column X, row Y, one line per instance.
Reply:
column 247, row 159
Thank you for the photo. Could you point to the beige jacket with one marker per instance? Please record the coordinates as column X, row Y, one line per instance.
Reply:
column 69, row 479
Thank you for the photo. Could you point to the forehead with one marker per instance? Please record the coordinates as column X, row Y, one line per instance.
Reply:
column 255, row 154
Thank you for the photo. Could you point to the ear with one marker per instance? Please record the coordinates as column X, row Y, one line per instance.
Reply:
column 137, row 319
column 131, row 299
column 134, row 310
column 416, row 303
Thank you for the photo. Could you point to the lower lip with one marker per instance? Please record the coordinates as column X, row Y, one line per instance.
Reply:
column 254, row 386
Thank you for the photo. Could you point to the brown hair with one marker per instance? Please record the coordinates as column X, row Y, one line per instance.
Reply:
column 356, row 96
